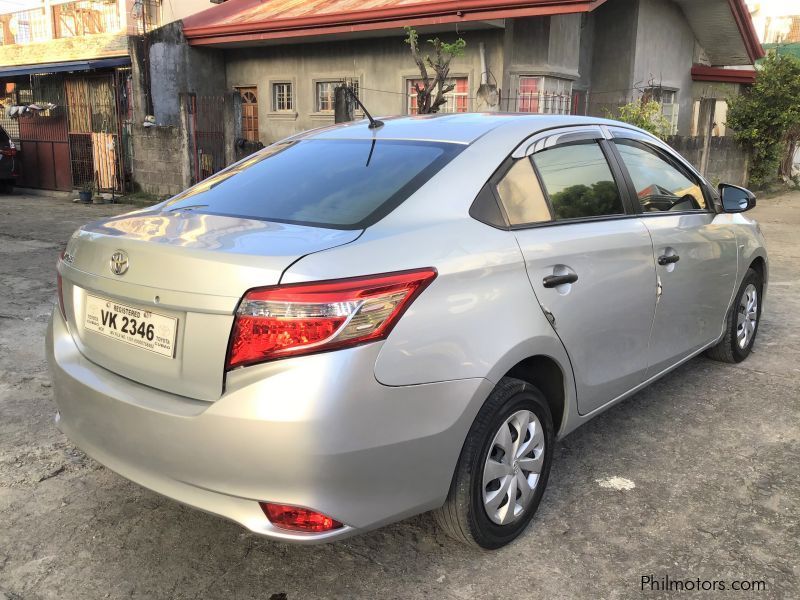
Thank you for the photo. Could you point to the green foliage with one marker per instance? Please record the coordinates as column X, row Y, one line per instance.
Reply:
column 646, row 115
column 766, row 118
column 454, row 49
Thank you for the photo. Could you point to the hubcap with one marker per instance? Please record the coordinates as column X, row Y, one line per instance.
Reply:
column 747, row 319
column 512, row 467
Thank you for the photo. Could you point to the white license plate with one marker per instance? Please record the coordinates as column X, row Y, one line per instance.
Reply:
column 131, row 325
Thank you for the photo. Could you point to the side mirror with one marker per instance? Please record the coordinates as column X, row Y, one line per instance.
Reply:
column 736, row 199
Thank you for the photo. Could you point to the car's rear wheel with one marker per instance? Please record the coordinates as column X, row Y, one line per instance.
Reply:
column 741, row 325
column 7, row 186
column 503, row 468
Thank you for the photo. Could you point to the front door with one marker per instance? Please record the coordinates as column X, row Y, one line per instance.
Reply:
column 589, row 260
column 696, row 260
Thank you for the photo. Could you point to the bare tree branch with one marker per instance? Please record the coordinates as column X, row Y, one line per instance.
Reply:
column 439, row 64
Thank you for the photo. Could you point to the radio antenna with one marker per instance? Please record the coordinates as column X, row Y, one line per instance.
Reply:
column 373, row 122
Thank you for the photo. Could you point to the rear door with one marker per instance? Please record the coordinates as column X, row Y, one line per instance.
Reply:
column 589, row 260
column 695, row 254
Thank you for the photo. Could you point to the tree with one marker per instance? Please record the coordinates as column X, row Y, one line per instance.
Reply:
column 645, row 114
column 766, row 118
column 444, row 52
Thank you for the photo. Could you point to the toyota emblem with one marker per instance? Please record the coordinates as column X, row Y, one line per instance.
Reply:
column 119, row 263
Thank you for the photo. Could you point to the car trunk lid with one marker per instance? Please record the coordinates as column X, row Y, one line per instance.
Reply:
column 184, row 273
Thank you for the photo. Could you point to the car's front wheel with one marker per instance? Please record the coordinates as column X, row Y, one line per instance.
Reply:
column 741, row 325
column 503, row 468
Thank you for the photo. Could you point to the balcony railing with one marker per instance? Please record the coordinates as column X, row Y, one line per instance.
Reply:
column 24, row 27
column 79, row 18
column 85, row 17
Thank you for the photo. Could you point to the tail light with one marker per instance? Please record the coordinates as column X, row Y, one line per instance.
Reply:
column 288, row 320
column 10, row 150
column 60, row 287
column 295, row 518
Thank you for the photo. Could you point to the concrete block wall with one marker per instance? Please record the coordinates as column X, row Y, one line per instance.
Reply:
column 160, row 159
column 728, row 162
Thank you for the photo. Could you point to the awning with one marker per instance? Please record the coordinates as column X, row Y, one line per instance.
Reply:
column 61, row 67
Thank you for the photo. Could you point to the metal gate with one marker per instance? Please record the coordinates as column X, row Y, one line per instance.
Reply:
column 44, row 143
column 94, row 133
column 77, row 144
column 206, row 116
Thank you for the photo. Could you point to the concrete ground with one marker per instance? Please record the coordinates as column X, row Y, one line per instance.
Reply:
column 713, row 451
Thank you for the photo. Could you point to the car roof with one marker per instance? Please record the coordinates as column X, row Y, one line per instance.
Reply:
column 457, row 128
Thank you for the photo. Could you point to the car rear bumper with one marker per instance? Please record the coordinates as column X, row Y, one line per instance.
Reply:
column 317, row 431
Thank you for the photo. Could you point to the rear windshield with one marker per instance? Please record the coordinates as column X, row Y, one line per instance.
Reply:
column 343, row 184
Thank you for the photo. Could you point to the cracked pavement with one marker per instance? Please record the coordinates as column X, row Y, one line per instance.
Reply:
column 713, row 452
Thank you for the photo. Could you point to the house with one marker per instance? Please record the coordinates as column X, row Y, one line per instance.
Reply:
column 72, row 59
column 565, row 56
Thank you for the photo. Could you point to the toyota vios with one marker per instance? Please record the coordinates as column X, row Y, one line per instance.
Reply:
column 358, row 324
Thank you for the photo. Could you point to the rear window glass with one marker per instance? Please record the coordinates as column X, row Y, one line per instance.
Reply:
column 343, row 184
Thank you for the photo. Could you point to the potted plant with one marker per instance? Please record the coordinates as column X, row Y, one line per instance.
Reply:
column 85, row 193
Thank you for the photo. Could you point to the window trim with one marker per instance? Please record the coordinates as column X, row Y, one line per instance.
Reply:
column 671, row 160
column 627, row 205
column 600, row 134
column 459, row 75
column 292, row 96
column 336, row 80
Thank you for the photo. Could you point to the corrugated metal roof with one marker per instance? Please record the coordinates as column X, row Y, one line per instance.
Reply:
column 288, row 9
column 285, row 18
column 723, row 27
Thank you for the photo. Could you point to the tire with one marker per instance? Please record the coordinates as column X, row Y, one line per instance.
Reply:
column 730, row 348
column 7, row 186
column 465, row 515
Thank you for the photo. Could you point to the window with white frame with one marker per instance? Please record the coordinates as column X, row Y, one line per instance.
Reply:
column 668, row 99
column 324, row 101
column 282, row 99
column 456, row 100
column 544, row 95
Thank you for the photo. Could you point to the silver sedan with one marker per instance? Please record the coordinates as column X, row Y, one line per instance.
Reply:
column 359, row 324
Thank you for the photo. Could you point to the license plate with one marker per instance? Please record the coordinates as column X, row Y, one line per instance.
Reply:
column 140, row 328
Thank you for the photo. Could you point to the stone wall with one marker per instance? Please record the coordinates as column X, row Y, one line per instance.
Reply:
column 727, row 160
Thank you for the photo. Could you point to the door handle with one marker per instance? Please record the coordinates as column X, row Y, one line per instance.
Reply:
column 552, row 281
column 668, row 260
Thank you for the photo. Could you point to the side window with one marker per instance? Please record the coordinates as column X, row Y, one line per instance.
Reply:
column 578, row 181
column 521, row 195
column 660, row 186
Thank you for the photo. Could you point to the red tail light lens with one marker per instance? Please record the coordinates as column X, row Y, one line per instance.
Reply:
column 9, row 151
column 295, row 518
column 288, row 320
